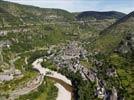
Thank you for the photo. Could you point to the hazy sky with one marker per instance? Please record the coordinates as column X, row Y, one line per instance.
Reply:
column 82, row 5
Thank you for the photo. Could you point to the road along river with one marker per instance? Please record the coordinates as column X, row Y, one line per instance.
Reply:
column 64, row 85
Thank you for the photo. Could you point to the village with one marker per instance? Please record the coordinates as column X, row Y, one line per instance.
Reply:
column 66, row 56
column 69, row 56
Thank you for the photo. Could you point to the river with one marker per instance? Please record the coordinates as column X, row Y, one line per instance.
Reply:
column 65, row 89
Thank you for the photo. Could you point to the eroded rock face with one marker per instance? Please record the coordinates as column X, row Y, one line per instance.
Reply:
column 127, row 45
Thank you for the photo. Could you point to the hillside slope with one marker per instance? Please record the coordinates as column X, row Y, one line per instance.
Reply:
column 8, row 19
column 35, row 32
column 110, row 38
column 99, row 15
column 115, row 46
column 30, row 14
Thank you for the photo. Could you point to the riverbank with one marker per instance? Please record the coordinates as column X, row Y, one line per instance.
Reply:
column 47, row 72
column 63, row 93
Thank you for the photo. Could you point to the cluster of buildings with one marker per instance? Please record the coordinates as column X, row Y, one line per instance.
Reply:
column 10, row 74
column 70, row 56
